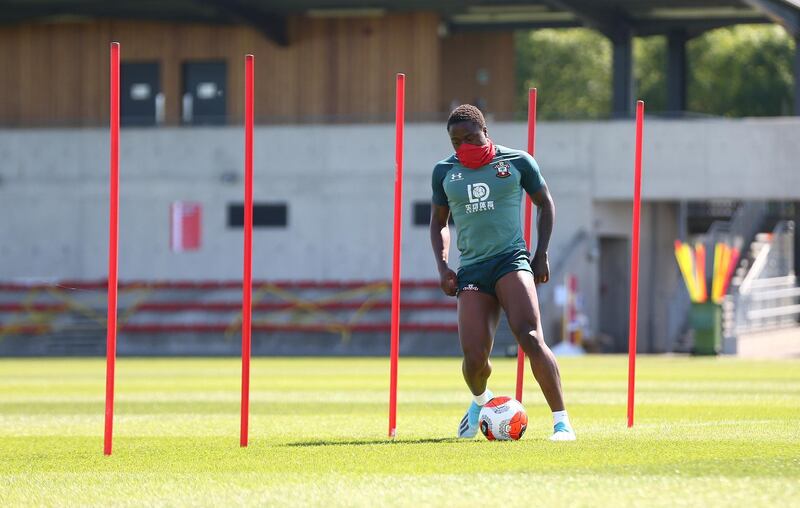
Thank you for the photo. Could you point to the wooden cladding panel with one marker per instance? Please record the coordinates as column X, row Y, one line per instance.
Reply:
column 333, row 69
column 9, row 87
column 464, row 55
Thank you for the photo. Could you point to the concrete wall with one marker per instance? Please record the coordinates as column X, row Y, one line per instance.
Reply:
column 338, row 182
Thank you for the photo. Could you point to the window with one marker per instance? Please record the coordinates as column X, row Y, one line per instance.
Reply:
column 265, row 215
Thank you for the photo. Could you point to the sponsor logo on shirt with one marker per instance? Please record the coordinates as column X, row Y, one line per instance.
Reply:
column 502, row 168
column 478, row 194
column 456, row 177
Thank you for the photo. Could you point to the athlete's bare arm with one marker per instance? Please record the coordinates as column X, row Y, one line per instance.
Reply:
column 440, row 241
column 545, row 218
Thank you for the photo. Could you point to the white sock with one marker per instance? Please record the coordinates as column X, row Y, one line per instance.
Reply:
column 561, row 416
column 483, row 398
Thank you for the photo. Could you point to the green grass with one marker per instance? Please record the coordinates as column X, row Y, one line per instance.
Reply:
column 709, row 432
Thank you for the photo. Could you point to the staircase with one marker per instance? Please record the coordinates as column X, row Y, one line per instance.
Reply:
column 766, row 296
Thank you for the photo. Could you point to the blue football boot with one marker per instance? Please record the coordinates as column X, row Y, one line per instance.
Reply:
column 562, row 432
column 468, row 427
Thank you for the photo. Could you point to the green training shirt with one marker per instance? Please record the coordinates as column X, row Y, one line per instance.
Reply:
column 485, row 202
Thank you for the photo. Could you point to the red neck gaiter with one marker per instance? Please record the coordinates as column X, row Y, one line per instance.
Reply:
column 474, row 156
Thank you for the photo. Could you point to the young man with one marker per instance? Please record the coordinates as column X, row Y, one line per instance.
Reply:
column 482, row 185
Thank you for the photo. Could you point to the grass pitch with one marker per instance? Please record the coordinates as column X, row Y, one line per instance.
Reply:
column 709, row 432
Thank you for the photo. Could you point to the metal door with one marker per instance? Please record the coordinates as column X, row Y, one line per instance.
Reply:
column 141, row 100
column 204, row 96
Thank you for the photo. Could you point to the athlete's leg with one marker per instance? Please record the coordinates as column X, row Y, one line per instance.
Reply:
column 478, row 315
column 516, row 292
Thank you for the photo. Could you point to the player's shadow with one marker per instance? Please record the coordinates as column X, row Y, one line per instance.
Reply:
column 373, row 442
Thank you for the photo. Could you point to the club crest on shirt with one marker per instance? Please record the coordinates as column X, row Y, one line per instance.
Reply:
column 502, row 168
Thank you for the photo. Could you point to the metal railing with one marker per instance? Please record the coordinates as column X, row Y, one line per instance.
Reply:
column 769, row 304
column 768, row 297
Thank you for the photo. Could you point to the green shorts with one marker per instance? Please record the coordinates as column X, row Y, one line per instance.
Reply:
column 483, row 275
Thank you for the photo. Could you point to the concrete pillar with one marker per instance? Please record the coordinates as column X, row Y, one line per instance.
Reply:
column 676, row 71
column 622, row 73
column 797, row 75
column 683, row 220
column 796, row 220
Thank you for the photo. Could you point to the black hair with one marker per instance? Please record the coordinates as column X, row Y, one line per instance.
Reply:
column 467, row 113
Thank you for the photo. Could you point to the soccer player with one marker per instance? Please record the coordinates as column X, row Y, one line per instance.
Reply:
column 481, row 185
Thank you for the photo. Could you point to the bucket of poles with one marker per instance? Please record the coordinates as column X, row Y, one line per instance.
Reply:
column 706, row 311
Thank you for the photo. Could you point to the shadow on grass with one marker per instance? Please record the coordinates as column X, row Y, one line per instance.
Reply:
column 374, row 442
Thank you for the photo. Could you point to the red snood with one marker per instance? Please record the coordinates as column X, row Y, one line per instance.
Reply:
column 474, row 156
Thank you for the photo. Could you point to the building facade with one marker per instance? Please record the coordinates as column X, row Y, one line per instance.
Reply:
column 324, row 148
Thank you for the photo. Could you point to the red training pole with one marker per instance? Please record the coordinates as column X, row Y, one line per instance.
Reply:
column 247, row 282
column 528, row 224
column 113, row 250
column 634, row 308
column 399, row 126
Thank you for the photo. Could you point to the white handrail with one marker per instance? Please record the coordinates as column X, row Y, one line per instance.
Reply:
column 786, row 281
column 755, row 270
column 787, row 310
column 776, row 294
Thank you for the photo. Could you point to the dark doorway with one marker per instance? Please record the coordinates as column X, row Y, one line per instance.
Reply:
column 614, row 288
column 204, row 85
column 140, row 93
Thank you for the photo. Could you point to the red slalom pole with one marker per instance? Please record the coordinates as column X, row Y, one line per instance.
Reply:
column 634, row 308
column 528, row 224
column 399, row 127
column 247, row 281
column 113, row 250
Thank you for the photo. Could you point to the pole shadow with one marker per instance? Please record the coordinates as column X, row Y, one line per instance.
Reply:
column 372, row 442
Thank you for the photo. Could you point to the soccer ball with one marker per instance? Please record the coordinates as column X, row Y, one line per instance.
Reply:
column 503, row 419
